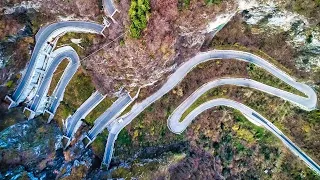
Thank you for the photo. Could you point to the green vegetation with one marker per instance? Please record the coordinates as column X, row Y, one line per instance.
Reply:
column 238, row 138
column 122, row 42
column 309, row 38
column 77, row 92
column 97, row 111
column 27, row 113
column 239, row 146
column 65, row 111
column 230, row 147
column 80, row 87
column 243, row 133
column 155, row 131
column 139, row 12
column 295, row 171
column 258, row 52
column 136, row 170
column 307, row 8
column 86, row 40
column 12, row 117
column 314, row 117
column 128, row 109
column 209, row 2
column 260, row 75
column 9, row 84
column 182, row 4
column 259, row 134
column 255, row 73
column 211, row 94
column 99, row 144
column 124, row 138
column 57, row 75
column 37, row 19
column 145, row 131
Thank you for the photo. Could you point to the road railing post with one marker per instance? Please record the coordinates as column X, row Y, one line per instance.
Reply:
column 12, row 102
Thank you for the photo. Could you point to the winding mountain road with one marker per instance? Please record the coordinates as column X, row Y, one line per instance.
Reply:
column 178, row 127
column 67, row 52
column 73, row 122
column 108, row 116
column 46, row 40
column 41, row 67
column 308, row 103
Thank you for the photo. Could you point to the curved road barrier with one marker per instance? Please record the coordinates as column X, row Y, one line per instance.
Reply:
column 39, row 102
column 108, row 116
column 109, row 7
column 73, row 122
column 177, row 127
column 46, row 41
column 108, row 152
column 60, row 88
column 307, row 103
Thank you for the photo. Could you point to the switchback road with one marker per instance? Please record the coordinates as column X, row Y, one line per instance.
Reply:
column 46, row 40
column 308, row 103
column 39, row 101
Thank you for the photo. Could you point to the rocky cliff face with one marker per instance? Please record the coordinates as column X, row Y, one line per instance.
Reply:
column 30, row 146
column 303, row 33
column 32, row 149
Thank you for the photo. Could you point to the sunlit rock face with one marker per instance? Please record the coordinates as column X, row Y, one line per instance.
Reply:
column 303, row 34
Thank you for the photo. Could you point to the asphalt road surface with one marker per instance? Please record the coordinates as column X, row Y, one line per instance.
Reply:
column 44, row 36
column 109, row 7
column 109, row 115
column 58, row 56
column 308, row 103
column 74, row 122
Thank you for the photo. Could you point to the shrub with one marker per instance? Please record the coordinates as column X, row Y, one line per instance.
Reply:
column 213, row 1
column 9, row 84
column 138, row 12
